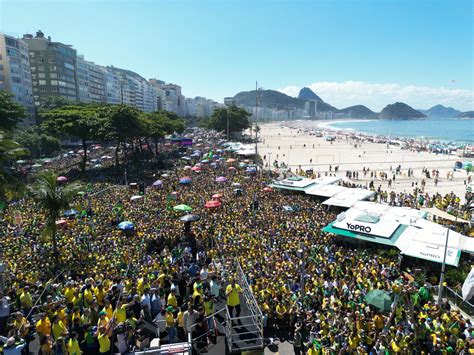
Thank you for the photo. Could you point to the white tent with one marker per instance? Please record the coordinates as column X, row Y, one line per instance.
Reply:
column 325, row 190
column 349, row 197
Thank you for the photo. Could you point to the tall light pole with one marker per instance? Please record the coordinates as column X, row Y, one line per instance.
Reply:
column 300, row 254
column 256, row 121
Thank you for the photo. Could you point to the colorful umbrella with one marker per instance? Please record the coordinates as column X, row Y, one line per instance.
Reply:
column 213, row 204
column 231, row 168
column 62, row 179
column 185, row 180
column 267, row 189
column 216, row 196
column 125, row 226
column 189, row 218
column 230, row 160
column 182, row 208
column 61, row 222
column 69, row 213
column 136, row 198
column 380, row 299
column 196, row 168
column 157, row 183
column 221, row 179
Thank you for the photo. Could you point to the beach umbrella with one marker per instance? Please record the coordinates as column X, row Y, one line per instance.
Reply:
column 62, row 179
column 21, row 161
column 288, row 209
column 61, row 222
column 242, row 165
column 379, row 299
column 231, row 168
column 70, row 213
column 230, row 160
column 213, row 204
column 126, row 226
column 185, row 180
column 36, row 166
column 217, row 196
column 236, row 184
column 196, row 169
column 221, row 179
column 136, row 198
column 267, row 189
column 205, row 161
column 164, row 175
column 187, row 167
column 182, row 208
column 189, row 218
column 157, row 183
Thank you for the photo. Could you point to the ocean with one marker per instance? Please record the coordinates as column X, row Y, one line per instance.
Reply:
column 441, row 129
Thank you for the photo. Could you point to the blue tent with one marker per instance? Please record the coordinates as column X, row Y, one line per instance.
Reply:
column 125, row 226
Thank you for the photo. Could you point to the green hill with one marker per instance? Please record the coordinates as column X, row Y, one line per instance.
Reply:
column 468, row 114
column 400, row 111
column 358, row 111
column 277, row 100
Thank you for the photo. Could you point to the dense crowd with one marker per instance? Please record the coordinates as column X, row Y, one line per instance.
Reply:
column 116, row 290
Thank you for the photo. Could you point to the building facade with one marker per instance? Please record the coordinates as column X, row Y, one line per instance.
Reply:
column 15, row 75
column 53, row 68
column 90, row 81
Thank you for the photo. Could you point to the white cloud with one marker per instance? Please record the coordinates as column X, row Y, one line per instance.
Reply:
column 377, row 96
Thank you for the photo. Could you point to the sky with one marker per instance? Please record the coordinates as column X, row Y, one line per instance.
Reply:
column 371, row 52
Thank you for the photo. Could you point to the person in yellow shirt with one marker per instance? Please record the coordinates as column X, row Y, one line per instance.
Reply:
column 100, row 294
column 102, row 335
column 120, row 312
column 171, row 300
column 108, row 309
column 21, row 324
column 43, row 326
column 232, row 293
column 25, row 299
column 180, row 322
column 170, row 324
column 73, row 347
column 58, row 328
column 103, row 319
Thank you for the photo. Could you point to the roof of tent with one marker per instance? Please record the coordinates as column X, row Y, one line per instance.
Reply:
column 349, row 197
column 325, row 190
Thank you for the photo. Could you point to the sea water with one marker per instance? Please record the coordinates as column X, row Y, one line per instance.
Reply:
column 442, row 129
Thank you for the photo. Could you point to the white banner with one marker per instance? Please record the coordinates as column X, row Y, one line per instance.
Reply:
column 468, row 286
column 383, row 228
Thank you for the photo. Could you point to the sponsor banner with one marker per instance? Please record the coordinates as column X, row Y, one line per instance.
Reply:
column 383, row 229
column 432, row 252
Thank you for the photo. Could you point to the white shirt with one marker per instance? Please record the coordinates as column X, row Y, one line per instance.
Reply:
column 146, row 300
column 204, row 274
column 215, row 288
column 5, row 307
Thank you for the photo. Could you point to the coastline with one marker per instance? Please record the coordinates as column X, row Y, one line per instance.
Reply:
column 294, row 144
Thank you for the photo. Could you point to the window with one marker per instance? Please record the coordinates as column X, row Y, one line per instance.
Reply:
column 61, row 83
column 53, row 68
column 41, row 75
column 40, row 67
column 69, row 65
column 42, row 82
column 11, row 42
column 16, row 80
column 53, row 75
column 1, row 66
column 54, row 82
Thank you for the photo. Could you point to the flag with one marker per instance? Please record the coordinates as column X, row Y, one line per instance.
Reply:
column 468, row 286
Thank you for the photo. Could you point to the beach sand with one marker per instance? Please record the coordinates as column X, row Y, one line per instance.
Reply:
column 284, row 142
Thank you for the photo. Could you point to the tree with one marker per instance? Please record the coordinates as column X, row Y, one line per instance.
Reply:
column 53, row 199
column 10, row 182
column 121, row 123
column 160, row 123
column 233, row 117
column 37, row 142
column 73, row 122
column 11, row 113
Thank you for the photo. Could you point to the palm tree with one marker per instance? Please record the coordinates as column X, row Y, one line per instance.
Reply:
column 53, row 199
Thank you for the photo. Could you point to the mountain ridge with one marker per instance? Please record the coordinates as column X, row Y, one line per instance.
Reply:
column 440, row 111
column 400, row 110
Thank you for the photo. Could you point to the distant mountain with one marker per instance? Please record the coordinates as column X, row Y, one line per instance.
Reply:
column 440, row 111
column 468, row 114
column 308, row 94
column 358, row 111
column 277, row 100
column 399, row 110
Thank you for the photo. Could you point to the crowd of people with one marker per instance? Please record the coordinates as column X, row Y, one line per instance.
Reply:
column 111, row 290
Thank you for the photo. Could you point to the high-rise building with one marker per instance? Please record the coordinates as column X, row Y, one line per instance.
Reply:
column 15, row 75
column 90, row 81
column 158, row 88
column 53, row 68
column 134, row 90
column 172, row 99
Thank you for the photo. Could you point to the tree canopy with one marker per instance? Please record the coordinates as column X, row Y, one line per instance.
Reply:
column 237, row 117
column 11, row 112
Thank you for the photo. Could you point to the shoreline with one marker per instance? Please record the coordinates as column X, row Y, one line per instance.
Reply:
column 295, row 145
column 328, row 126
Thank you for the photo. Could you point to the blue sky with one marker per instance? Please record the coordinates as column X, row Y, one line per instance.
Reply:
column 217, row 48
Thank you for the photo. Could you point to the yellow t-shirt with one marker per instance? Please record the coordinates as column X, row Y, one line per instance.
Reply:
column 44, row 327
column 26, row 300
column 169, row 319
column 73, row 347
column 104, row 343
column 121, row 314
column 233, row 297
column 172, row 301
column 181, row 319
column 58, row 330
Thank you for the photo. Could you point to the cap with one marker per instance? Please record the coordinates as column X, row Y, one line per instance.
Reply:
column 102, row 313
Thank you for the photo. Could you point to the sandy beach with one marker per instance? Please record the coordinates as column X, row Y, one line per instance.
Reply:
column 288, row 143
